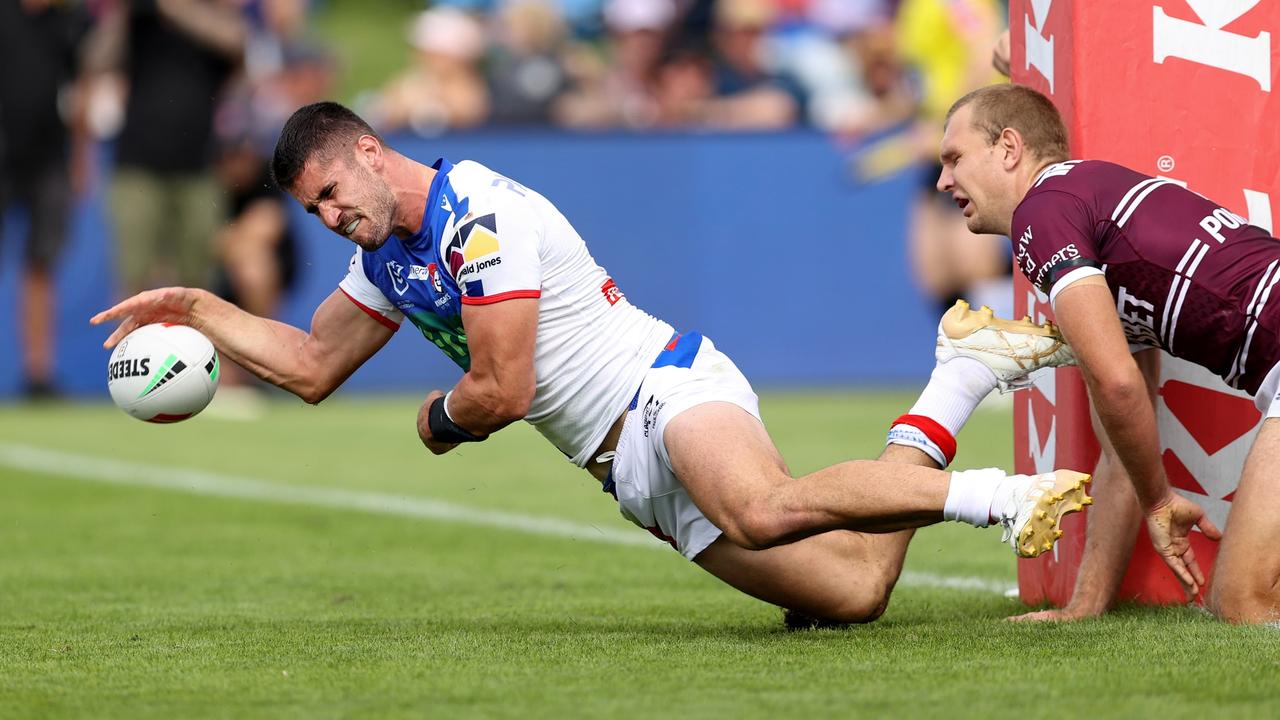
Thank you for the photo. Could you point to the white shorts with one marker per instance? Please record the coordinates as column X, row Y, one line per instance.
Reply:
column 689, row 372
column 1267, row 399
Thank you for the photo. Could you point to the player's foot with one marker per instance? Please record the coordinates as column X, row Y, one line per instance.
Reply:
column 1012, row 349
column 1034, row 510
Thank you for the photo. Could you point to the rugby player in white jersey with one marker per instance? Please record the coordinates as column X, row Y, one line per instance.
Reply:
column 491, row 272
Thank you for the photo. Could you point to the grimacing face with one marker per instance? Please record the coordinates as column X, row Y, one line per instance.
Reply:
column 349, row 198
column 972, row 173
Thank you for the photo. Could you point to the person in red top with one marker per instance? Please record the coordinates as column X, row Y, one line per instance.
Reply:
column 1131, row 263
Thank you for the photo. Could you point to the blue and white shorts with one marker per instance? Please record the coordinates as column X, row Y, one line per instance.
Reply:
column 688, row 372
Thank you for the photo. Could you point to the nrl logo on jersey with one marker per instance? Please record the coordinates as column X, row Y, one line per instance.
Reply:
column 395, row 271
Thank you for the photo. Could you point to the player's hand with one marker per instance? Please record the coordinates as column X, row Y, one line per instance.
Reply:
column 166, row 305
column 1066, row 614
column 1000, row 54
column 424, row 428
column 1169, row 524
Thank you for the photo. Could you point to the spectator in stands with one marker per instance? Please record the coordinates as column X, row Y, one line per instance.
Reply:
column 880, row 97
column 805, row 43
column 949, row 45
column 683, row 85
column 273, row 26
column 749, row 95
column 257, row 248
column 879, row 130
column 525, row 70
column 444, row 88
column 39, row 42
column 166, row 204
column 616, row 91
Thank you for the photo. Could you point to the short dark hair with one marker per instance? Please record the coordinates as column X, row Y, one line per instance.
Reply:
column 320, row 131
column 1033, row 115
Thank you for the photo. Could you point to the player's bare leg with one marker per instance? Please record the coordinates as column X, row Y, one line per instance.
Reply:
column 1246, row 577
column 734, row 474
column 741, row 484
column 839, row 576
column 732, row 471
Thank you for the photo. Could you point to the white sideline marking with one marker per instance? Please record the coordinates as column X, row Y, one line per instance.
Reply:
column 199, row 482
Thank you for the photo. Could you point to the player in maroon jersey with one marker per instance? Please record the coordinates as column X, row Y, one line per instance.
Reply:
column 1132, row 263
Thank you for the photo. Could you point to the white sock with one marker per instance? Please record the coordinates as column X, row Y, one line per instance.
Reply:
column 972, row 495
column 955, row 388
column 1004, row 492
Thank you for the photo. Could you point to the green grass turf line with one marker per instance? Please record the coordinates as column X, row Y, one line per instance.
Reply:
column 129, row 602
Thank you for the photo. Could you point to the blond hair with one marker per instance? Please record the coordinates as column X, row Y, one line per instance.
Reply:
column 1020, row 108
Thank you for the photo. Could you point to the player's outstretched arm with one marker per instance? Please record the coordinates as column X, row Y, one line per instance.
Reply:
column 310, row 365
column 1113, row 524
column 1087, row 316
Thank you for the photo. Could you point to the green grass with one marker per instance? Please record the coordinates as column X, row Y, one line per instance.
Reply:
column 369, row 38
column 120, row 601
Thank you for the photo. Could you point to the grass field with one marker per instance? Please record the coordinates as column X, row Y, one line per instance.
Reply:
column 320, row 564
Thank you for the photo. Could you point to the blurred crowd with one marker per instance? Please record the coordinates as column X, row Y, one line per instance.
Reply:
column 191, row 94
column 847, row 66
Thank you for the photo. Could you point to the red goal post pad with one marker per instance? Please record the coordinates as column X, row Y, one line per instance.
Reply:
column 1181, row 89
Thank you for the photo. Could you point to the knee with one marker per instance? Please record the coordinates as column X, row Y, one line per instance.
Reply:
column 863, row 607
column 1245, row 601
column 1244, row 597
column 856, row 604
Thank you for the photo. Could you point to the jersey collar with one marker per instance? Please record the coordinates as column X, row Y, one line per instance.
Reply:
column 441, row 203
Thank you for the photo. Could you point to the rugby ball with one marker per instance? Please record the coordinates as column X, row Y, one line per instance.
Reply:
column 163, row 373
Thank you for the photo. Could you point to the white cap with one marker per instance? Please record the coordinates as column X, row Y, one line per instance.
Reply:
column 848, row 16
column 448, row 31
column 630, row 15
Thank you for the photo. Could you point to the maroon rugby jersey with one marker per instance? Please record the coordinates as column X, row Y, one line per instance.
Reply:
column 1188, row 275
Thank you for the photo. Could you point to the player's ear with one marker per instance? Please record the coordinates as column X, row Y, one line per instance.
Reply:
column 369, row 148
column 1011, row 147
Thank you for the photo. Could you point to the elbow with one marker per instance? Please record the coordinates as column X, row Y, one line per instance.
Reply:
column 314, row 391
column 1119, row 392
column 515, row 405
column 314, row 395
column 506, row 399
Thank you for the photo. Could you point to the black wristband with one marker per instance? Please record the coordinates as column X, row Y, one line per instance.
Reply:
column 444, row 429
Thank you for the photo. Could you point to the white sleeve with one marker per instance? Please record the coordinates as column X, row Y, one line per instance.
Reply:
column 497, row 257
column 360, row 289
column 1072, row 276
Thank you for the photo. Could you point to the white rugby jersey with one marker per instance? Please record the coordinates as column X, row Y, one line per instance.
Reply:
column 485, row 239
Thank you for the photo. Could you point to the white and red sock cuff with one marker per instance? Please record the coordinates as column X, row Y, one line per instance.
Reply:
column 924, row 434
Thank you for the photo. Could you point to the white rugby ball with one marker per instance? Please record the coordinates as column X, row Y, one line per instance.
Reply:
column 163, row 373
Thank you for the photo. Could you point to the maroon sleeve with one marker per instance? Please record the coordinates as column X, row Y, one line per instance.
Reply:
column 1053, row 235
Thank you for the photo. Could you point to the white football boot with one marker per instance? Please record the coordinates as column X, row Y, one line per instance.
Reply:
column 1012, row 349
column 1032, row 513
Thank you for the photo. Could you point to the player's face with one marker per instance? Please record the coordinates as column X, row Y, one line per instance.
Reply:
column 974, row 175
column 349, row 198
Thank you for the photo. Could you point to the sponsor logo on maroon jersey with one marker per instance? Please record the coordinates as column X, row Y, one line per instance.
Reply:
column 1138, row 318
column 1069, row 252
